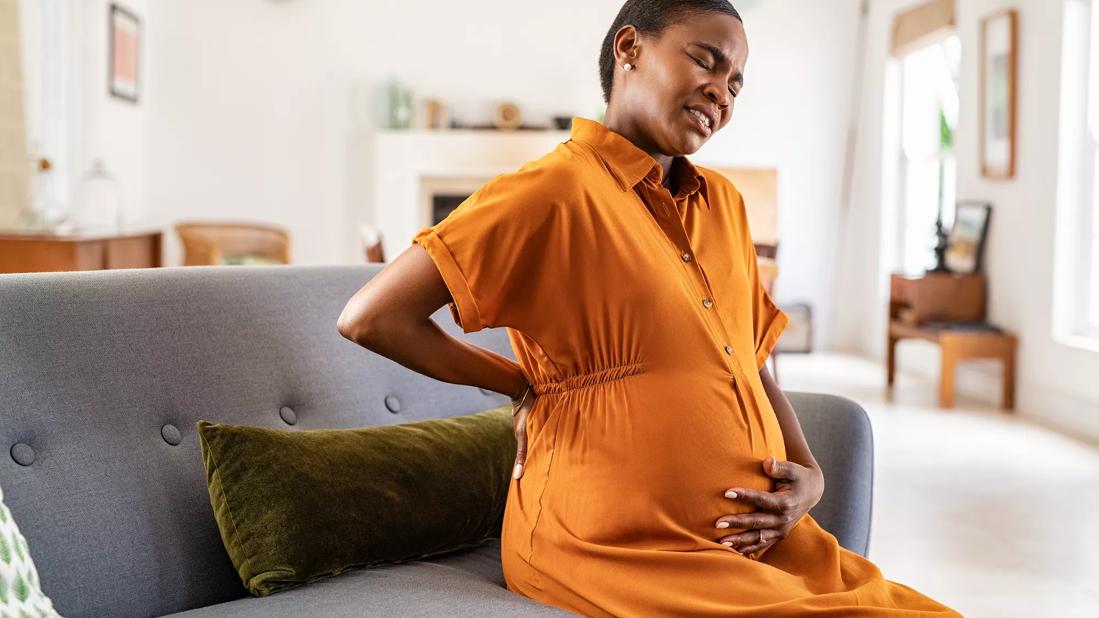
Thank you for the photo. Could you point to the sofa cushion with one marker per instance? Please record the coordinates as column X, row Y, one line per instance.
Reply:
column 296, row 506
column 464, row 583
column 20, row 591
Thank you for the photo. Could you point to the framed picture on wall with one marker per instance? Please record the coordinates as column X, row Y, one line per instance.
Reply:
column 124, row 34
column 998, row 94
column 966, row 242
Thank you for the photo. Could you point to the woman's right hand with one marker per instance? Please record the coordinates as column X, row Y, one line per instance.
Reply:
column 520, row 418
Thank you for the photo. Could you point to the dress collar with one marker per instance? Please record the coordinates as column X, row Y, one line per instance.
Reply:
column 629, row 164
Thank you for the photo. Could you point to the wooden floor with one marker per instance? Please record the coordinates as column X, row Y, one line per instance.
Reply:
column 988, row 513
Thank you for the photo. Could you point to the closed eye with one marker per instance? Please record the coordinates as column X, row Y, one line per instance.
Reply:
column 701, row 63
column 707, row 67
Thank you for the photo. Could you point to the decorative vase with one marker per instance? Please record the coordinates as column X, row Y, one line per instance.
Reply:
column 100, row 204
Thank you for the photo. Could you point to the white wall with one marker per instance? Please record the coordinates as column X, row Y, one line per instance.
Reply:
column 1056, row 383
column 260, row 109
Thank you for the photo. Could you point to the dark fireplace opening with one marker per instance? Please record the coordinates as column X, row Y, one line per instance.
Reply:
column 442, row 204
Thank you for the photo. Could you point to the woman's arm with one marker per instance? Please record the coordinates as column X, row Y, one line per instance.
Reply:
column 797, row 450
column 391, row 315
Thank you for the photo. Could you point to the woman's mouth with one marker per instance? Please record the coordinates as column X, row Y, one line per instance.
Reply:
column 700, row 122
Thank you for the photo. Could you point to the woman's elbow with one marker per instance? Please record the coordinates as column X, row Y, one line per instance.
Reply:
column 354, row 323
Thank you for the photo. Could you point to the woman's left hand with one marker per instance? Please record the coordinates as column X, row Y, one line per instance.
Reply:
column 797, row 489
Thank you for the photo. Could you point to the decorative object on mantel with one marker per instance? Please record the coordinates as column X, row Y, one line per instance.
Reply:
column 562, row 123
column 966, row 242
column 125, row 42
column 507, row 116
column 99, row 206
column 436, row 115
column 399, row 105
column 998, row 94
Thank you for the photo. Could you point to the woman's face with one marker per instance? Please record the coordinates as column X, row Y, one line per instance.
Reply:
column 684, row 82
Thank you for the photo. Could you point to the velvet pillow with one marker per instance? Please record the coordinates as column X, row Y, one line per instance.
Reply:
column 297, row 506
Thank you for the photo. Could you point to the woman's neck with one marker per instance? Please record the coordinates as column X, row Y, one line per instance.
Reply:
column 628, row 128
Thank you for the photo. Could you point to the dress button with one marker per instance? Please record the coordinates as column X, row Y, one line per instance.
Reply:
column 686, row 257
column 707, row 303
column 728, row 349
column 732, row 382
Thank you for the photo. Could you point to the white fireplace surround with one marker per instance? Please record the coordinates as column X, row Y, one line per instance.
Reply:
column 411, row 166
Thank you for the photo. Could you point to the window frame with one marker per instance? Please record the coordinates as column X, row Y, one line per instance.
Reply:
column 1077, row 201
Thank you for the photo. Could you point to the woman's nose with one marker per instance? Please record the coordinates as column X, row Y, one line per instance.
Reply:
column 718, row 96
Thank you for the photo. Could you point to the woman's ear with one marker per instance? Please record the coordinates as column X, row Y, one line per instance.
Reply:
column 626, row 45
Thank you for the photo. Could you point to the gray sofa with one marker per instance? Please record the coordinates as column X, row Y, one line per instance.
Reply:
column 103, row 375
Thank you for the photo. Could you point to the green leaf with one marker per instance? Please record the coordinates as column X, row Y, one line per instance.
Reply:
column 17, row 544
column 4, row 590
column 19, row 587
column 5, row 551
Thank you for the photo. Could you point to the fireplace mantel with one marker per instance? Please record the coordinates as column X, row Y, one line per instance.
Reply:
column 409, row 165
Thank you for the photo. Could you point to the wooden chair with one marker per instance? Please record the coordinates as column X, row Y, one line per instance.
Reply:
column 372, row 243
column 209, row 243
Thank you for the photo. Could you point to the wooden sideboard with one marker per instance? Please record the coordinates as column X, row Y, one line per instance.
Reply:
column 25, row 252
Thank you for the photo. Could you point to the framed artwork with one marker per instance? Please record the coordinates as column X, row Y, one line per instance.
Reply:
column 998, row 94
column 966, row 242
column 124, row 34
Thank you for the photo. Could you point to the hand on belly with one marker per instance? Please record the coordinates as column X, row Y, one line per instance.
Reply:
column 797, row 489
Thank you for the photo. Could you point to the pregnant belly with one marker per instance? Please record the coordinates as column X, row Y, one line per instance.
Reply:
column 637, row 464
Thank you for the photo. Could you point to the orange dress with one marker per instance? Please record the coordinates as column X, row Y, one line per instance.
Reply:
column 640, row 320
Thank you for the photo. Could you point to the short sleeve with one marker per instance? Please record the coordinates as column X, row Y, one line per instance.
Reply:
column 768, row 321
column 493, row 246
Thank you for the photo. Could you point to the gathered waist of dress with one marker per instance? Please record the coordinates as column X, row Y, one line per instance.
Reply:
column 585, row 380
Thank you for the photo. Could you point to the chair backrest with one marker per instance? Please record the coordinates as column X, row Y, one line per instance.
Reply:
column 103, row 376
column 841, row 439
column 208, row 243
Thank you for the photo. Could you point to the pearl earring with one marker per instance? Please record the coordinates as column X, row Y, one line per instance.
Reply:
column 628, row 67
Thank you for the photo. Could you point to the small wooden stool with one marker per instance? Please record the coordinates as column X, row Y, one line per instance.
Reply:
column 958, row 345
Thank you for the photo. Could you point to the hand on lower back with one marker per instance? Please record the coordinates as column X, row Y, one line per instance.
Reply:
column 521, row 434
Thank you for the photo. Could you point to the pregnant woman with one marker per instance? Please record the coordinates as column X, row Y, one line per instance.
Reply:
column 660, row 469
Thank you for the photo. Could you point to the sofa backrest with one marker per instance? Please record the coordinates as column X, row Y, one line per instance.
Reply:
column 103, row 376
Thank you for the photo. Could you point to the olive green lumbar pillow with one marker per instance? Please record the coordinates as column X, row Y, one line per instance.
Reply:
column 297, row 506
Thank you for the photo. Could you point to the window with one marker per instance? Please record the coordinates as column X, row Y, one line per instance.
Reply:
column 929, row 115
column 1076, row 250
column 1090, row 243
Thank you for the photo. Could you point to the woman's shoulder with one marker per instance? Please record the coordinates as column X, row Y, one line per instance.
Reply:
column 555, row 177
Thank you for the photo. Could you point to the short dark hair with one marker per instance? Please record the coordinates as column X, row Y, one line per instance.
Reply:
column 651, row 17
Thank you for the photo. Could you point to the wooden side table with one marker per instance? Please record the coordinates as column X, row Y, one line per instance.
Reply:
column 958, row 345
column 25, row 252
